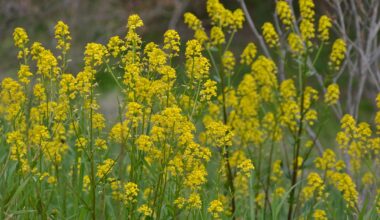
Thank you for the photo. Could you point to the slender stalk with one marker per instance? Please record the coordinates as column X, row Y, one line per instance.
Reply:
column 226, row 152
column 297, row 145
column 93, row 182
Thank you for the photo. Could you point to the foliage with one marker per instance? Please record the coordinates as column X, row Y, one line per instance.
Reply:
column 225, row 138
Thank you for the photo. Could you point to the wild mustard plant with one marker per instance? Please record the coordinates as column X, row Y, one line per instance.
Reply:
column 227, row 138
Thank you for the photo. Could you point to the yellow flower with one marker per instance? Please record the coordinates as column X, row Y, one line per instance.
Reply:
column 67, row 86
column 264, row 72
column 86, row 182
column 198, row 68
column 217, row 36
column 237, row 19
column 105, row 168
column 192, row 21
column 134, row 21
column 119, row 132
column 130, row 193
column 311, row 116
column 81, row 143
column 228, row 61
column 62, row 35
column 270, row 35
column 144, row 143
column 193, row 49
column 215, row 208
column 245, row 167
column 248, row 54
column 24, row 74
column 276, row 171
column 36, row 49
column 280, row 191
column 307, row 9
column 296, row 44
column 285, row 13
column 378, row 100
column 39, row 92
column 101, row 144
column 327, row 161
column 194, row 201
column 288, row 89
column 320, row 215
column 307, row 31
column 196, row 178
column 314, row 188
column 20, row 37
column 95, row 54
column 156, row 58
column 332, row 94
column 180, row 202
column 134, row 113
column 52, row 180
column 219, row 15
column 47, row 64
column 260, row 199
column 116, row 46
column 338, row 53
column 172, row 42
column 219, row 134
column 201, row 36
column 145, row 210
column 208, row 91
column 324, row 26
column 368, row 178
column 344, row 184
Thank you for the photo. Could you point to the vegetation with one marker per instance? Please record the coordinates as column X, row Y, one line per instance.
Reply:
column 199, row 134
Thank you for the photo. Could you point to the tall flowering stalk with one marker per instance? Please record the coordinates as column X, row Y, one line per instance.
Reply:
column 229, row 137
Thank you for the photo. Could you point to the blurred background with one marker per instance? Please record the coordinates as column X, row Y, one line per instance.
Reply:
column 98, row 20
column 357, row 21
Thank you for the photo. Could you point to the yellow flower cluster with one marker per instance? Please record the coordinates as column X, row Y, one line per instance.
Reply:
column 20, row 37
column 228, row 61
column 219, row 134
column 320, row 214
column 344, row 184
column 296, row 44
column 324, row 26
column 332, row 94
column 315, row 187
column 134, row 21
column 145, row 210
column 338, row 53
column 285, row 13
column 192, row 21
column 215, row 208
column 222, row 17
column 307, row 9
column 197, row 66
column 172, row 42
column 95, row 54
column 209, row 90
column 307, row 31
column 248, row 54
column 264, row 71
column 355, row 139
column 62, row 35
column 217, row 36
column 115, row 46
column 105, row 168
column 270, row 35
column 24, row 74
column 245, row 167
column 52, row 124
